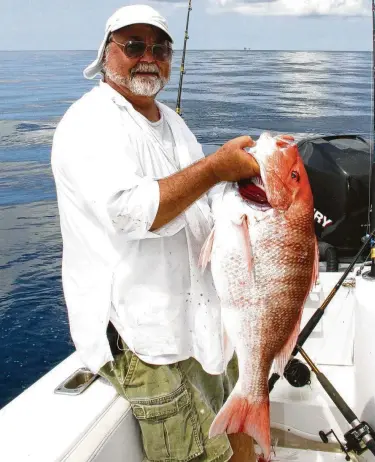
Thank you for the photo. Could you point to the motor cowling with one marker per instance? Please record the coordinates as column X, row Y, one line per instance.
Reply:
column 338, row 169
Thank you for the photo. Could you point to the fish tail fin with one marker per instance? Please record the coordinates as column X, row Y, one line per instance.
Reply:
column 240, row 415
column 205, row 255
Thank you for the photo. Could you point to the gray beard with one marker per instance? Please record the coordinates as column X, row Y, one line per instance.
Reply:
column 137, row 84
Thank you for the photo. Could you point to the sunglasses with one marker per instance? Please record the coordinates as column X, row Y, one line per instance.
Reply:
column 137, row 49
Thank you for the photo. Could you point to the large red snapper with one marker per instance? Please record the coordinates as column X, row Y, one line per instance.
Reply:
column 264, row 262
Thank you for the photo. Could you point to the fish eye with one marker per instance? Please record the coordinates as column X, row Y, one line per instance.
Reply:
column 295, row 176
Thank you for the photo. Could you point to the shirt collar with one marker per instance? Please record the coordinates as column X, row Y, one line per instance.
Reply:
column 114, row 95
column 117, row 98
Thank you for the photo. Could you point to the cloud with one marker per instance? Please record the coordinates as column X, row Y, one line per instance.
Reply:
column 168, row 2
column 293, row 7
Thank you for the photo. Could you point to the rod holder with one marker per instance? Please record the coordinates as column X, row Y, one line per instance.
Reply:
column 370, row 275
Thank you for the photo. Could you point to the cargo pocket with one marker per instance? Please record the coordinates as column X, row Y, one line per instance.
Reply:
column 170, row 427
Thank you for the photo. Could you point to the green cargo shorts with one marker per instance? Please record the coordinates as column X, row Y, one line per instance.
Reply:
column 174, row 405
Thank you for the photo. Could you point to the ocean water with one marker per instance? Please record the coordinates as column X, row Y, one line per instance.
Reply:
column 226, row 94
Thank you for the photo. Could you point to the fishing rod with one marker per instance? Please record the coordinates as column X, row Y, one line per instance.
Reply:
column 182, row 69
column 290, row 368
column 371, row 274
column 361, row 436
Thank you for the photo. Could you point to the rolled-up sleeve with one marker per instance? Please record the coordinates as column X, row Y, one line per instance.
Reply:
column 132, row 211
column 97, row 167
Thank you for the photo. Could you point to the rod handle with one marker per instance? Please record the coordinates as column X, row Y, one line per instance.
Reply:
column 309, row 327
column 336, row 397
column 271, row 382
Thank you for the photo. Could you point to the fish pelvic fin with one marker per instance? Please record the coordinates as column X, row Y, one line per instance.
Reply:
column 205, row 255
column 240, row 415
column 227, row 348
column 282, row 358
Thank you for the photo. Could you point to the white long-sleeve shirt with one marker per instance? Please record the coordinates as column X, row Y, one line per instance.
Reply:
column 106, row 161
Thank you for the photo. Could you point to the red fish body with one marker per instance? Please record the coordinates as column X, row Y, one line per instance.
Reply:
column 264, row 261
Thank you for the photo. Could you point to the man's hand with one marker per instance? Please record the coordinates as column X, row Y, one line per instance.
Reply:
column 229, row 163
column 232, row 163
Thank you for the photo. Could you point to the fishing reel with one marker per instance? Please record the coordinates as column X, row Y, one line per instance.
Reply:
column 355, row 439
column 369, row 275
column 297, row 373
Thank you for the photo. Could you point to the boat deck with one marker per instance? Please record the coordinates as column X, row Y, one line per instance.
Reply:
column 299, row 455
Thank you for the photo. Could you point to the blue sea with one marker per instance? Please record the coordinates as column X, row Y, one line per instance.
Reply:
column 226, row 94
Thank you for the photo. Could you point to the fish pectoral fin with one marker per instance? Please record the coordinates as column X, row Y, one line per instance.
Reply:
column 282, row 358
column 205, row 255
column 247, row 243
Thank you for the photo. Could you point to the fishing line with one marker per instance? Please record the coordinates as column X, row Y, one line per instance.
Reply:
column 370, row 275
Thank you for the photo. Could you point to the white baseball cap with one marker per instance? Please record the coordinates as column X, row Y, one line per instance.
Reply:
column 126, row 16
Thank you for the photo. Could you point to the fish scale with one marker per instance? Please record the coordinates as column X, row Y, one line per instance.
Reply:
column 263, row 261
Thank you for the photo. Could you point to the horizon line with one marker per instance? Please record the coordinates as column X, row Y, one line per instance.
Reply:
column 206, row 49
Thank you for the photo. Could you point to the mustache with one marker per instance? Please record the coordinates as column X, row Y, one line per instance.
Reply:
column 145, row 67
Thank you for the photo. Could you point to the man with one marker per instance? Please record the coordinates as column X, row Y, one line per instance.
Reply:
column 131, row 183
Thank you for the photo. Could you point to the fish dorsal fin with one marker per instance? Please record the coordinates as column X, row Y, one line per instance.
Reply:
column 315, row 273
column 281, row 360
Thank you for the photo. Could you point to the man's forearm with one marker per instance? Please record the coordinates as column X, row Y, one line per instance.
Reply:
column 179, row 191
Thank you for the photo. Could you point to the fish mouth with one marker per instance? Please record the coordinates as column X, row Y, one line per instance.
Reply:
column 253, row 190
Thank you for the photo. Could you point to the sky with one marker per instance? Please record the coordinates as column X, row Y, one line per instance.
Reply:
column 215, row 24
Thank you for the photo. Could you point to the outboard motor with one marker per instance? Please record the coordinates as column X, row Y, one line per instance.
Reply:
column 338, row 169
